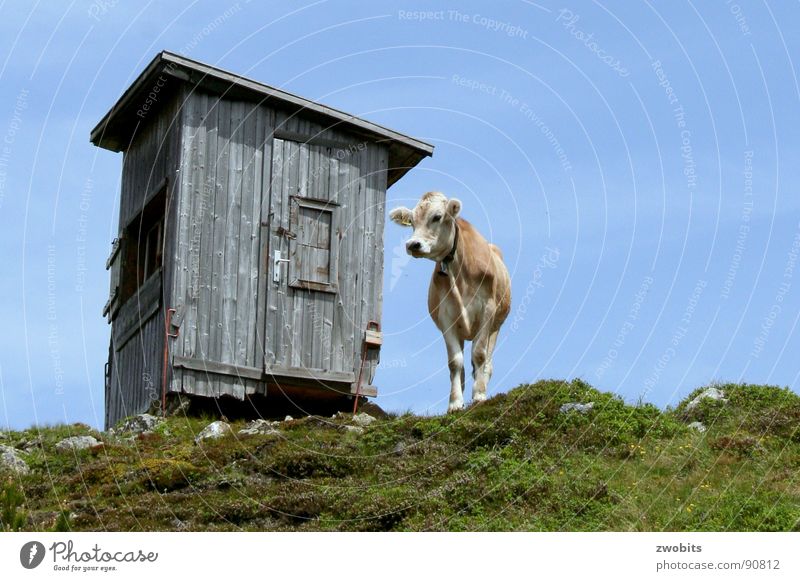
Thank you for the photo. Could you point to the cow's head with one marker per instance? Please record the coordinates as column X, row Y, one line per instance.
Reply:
column 434, row 223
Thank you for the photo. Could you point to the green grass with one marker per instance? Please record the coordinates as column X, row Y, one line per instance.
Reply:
column 512, row 463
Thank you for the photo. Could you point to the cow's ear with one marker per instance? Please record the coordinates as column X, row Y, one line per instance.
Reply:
column 453, row 207
column 401, row 215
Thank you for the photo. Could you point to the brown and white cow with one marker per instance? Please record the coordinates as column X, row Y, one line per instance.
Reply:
column 470, row 292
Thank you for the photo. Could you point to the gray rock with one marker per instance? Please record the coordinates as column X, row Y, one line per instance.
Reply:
column 76, row 443
column 698, row 426
column 213, row 431
column 259, row 427
column 288, row 419
column 178, row 524
column 178, row 404
column 354, row 429
column 583, row 408
column 29, row 446
column 137, row 424
column 11, row 460
column 363, row 420
column 709, row 393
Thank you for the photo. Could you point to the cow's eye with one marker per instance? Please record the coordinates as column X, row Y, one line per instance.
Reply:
column 436, row 218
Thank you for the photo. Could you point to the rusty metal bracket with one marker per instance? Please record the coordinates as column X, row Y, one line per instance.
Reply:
column 167, row 335
column 373, row 339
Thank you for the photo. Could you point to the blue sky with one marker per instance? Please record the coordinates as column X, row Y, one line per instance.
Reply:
column 636, row 163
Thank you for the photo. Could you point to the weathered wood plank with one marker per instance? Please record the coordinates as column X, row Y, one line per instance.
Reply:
column 326, row 165
column 310, row 309
column 339, row 359
column 218, row 368
column 317, row 137
column 197, row 104
column 301, row 353
column 275, row 298
column 357, row 264
column 264, row 190
column 176, row 236
column 232, row 244
column 150, row 347
column 245, row 281
column 331, row 189
column 257, row 302
column 379, row 221
column 283, row 319
column 377, row 188
column 287, row 312
column 221, row 186
column 131, row 313
column 172, row 169
column 206, row 232
column 202, row 104
column 310, row 374
column 368, row 280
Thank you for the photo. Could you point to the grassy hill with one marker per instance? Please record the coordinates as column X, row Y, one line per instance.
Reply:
column 515, row 462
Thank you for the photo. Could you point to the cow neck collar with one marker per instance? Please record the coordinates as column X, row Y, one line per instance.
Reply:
column 444, row 265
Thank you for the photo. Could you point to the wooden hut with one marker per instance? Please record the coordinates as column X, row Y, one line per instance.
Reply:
column 249, row 259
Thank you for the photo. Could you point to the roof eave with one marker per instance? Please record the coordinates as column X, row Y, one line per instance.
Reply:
column 98, row 135
column 198, row 73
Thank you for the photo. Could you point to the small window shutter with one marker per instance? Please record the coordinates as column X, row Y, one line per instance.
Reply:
column 313, row 248
column 114, row 265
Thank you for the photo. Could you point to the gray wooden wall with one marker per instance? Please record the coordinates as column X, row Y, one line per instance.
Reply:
column 136, row 354
column 220, row 163
column 229, row 311
column 137, row 333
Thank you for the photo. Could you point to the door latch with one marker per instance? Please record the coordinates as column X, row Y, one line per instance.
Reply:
column 276, row 266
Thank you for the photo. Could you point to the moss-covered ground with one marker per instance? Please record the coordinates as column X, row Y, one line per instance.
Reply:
column 514, row 462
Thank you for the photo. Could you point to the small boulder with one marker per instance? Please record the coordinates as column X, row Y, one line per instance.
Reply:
column 177, row 405
column 29, row 446
column 259, row 428
column 711, row 393
column 11, row 460
column 178, row 524
column 353, row 429
column 213, row 431
column 583, row 408
column 698, row 426
column 137, row 424
column 75, row 443
column 288, row 419
column 363, row 420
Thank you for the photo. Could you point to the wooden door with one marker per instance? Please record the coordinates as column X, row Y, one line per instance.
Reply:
column 307, row 318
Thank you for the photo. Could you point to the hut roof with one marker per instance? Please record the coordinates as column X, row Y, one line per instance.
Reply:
column 116, row 128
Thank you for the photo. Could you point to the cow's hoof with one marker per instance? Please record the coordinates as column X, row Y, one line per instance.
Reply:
column 454, row 407
column 478, row 397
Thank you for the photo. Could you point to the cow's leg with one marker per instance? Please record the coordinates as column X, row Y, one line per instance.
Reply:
column 455, row 361
column 489, row 365
column 481, row 358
